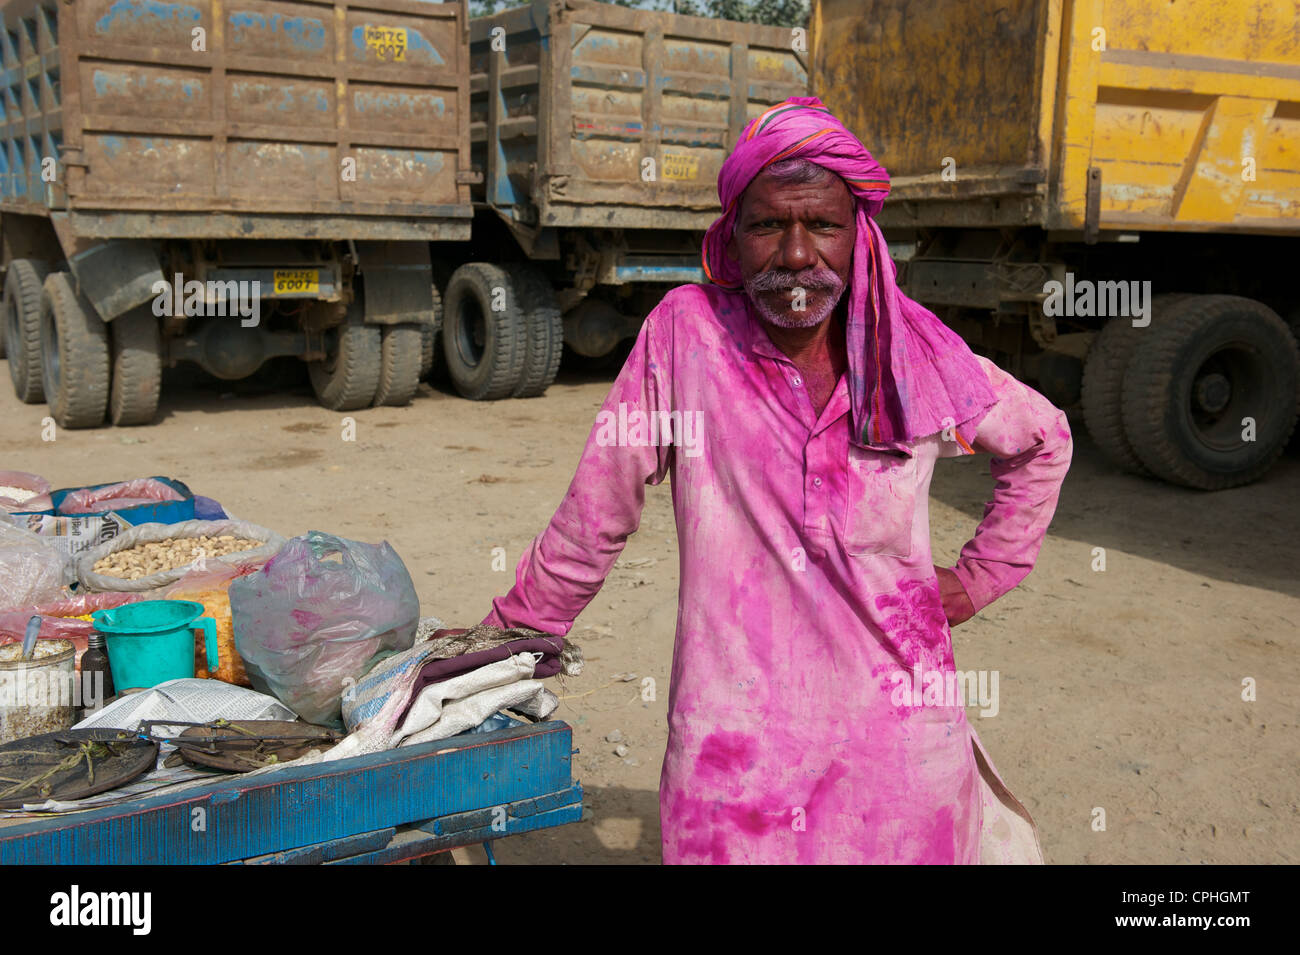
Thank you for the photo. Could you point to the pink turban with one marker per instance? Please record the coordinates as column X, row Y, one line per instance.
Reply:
column 931, row 380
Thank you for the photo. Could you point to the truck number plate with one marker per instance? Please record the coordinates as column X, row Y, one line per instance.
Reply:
column 389, row 43
column 681, row 166
column 296, row 281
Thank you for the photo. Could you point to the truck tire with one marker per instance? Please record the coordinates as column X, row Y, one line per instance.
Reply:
column 22, row 320
column 399, row 364
column 545, row 333
column 348, row 379
column 1208, row 363
column 74, row 355
column 428, row 339
column 485, row 350
column 137, row 367
column 1103, row 385
column 429, row 344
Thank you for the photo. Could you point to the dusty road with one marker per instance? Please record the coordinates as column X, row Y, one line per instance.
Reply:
column 1120, row 690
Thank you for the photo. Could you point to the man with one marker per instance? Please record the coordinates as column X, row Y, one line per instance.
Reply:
column 808, row 597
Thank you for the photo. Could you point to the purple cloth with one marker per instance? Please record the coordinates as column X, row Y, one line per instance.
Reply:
column 436, row 671
column 206, row 509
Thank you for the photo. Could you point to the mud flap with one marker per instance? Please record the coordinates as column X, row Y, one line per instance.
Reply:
column 115, row 275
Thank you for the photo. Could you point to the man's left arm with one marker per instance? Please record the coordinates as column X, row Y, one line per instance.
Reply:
column 1029, row 439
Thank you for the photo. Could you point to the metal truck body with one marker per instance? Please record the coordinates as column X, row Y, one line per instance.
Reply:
column 297, row 155
column 1051, row 157
column 600, row 131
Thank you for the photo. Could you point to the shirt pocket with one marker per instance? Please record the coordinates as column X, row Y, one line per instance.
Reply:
column 880, row 503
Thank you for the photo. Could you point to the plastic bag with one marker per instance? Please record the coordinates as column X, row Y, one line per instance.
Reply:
column 146, row 533
column 118, row 497
column 59, row 618
column 31, row 569
column 37, row 500
column 210, row 586
column 311, row 620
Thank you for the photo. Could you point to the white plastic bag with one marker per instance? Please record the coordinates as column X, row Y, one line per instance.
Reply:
column 31, row 569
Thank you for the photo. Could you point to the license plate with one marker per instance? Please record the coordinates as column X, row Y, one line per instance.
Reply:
column 297, row 281
column 680, row 166
column 388, row 43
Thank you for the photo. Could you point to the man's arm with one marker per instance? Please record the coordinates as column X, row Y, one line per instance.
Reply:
column 1030, row 441
column 565, row 566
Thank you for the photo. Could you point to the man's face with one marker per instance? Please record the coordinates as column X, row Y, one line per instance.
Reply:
column 791, row 237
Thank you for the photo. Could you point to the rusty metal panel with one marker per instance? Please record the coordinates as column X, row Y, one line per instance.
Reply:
column 31, row 123
column 1196, row 122
column 935, row 84
column 255, row 108
column 588, row 113
column 1190, row 112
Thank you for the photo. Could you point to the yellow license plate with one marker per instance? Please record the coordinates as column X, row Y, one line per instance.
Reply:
column 679, row 166
column 389, row 43
column 296, row 281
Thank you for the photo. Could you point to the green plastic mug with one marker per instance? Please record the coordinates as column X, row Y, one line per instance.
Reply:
column 152, row 641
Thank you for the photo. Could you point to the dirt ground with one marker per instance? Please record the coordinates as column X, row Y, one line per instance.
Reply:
column 1120, row 690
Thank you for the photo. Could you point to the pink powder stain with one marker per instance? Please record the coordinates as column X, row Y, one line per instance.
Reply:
column 725, row 754
column 940, row 843
column 306, row 619
column 916, row 624
column 752, row 820
column 806, row 843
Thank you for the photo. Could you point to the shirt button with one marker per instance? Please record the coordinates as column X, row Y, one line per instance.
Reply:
column 817, row 482
column 796, row 380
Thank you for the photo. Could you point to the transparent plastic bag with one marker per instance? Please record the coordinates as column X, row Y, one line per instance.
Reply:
column 33, row 492
column 31, row 569
column 314, row 617
column 118, row 497
column 209, row 584
column 61, row 619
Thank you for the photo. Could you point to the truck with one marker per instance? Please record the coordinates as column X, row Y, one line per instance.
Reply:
column 223, row 183
column 226, row 183
column 1101, row 195
column 599, row 131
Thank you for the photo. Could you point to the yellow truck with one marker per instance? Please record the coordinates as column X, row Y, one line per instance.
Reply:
column 1102, row 195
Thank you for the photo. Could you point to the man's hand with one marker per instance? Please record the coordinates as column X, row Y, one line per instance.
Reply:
column 956, row 604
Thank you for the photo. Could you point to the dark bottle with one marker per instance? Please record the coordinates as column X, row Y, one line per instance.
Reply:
column 95, row 660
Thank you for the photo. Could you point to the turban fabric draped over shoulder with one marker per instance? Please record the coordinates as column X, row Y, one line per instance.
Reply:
column 909, row 374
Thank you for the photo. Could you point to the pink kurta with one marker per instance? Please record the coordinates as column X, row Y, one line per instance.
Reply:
column 807, row 594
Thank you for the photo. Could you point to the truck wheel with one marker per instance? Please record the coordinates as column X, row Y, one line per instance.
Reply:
column 545, row 333
column 22, row 320
column 74, row 355
column 428, row 339
column 399, row 365
column 348, row 378
column 1103, row 385
column 1207, row 365
column 137, row 367
column 484, row 349
column 430, row 347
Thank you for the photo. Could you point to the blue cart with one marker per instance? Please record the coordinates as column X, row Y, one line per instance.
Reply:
column 405, row 804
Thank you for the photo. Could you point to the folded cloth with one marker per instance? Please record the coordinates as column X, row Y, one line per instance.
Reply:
column 448, row 708
column 436, row 670
column 452, row 706
column 403, row 675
